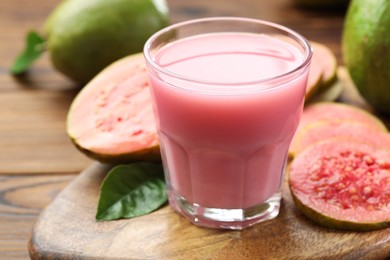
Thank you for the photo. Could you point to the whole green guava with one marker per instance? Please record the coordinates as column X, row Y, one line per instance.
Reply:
column 366, row 50
column 85, row 36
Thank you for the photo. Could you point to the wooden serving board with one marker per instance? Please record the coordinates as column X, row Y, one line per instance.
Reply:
column 67, row 229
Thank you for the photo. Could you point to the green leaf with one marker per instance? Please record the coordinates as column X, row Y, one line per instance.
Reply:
column 131, row 190
column 35, row 46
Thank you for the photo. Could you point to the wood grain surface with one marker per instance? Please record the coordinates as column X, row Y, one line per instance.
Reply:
column 67, row 229
column 22, row 198
column 33, row 107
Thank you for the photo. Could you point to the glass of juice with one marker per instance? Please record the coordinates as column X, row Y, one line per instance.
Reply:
column 228, row 93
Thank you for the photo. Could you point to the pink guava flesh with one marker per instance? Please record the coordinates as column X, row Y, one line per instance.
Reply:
column 113, row 114
column 326, row 61
column 336, row 112
column 343, row 181
column 332, row 115
column 344, row 130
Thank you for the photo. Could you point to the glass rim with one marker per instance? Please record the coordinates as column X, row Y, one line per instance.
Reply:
column 298, row 37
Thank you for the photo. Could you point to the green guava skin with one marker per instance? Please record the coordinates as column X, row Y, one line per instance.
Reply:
column 151, row 154
column 329, row 222
column 366, row 50
column 85, row 36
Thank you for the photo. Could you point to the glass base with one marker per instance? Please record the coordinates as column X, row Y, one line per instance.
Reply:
column 235, row 219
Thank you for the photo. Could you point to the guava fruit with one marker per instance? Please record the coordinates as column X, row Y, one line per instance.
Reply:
column 85, row 36
column 330, row 93
column 352, row 130
column 327, row 61
column 336, row 112
column 314, row 78
column 323, row 69
column 332, row 113
column 111, row 119
column 366, row 50
column 343, row 185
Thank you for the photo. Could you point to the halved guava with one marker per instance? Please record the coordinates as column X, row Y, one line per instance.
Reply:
column 333, row 113
column 314, row 79
column 323, row 130
column 328, row 61
column 111, row 119
column 343, row 185
column 327, row 94
column 323, row 69
column 337, row 112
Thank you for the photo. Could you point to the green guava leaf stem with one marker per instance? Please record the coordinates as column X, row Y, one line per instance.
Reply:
column 35, row 46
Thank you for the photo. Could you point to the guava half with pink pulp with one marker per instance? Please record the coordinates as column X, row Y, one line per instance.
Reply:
column 343, row 185
column 111, row 119
column 344, row 130
column 334, row 114
column 323, row 69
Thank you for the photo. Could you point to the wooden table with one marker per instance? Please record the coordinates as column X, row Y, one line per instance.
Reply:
column 36, row 158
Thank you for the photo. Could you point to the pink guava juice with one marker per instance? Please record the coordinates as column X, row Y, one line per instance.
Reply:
column 225, row 119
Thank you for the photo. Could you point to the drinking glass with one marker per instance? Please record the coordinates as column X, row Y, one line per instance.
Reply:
column 227, row 93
